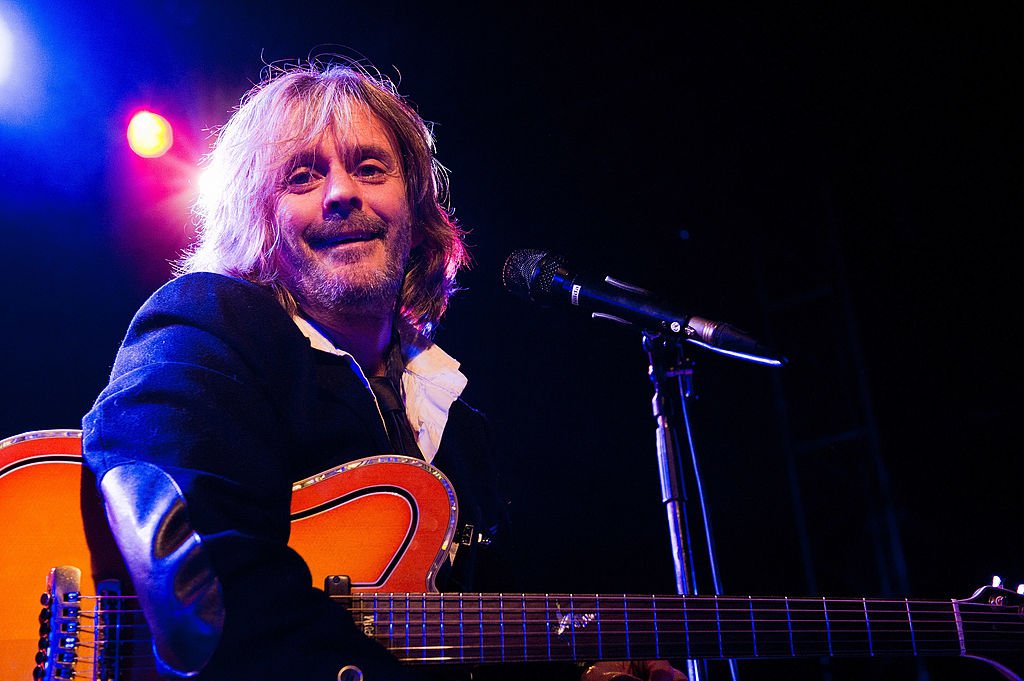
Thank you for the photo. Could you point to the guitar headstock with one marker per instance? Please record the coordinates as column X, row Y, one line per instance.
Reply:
column 997, row 595
column 990, row 625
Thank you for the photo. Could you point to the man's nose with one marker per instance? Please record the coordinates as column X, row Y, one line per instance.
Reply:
column 341, row 194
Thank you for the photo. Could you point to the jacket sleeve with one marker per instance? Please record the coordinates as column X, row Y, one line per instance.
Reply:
column 190, row 443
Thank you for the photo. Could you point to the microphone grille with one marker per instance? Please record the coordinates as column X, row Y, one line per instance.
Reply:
column 519, row 270
column 530, row 273
column 545, row 278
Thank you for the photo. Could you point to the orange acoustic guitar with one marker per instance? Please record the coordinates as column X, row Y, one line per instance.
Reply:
column 86, row 625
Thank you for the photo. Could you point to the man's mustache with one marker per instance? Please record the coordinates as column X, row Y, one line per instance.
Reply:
column 357, row 226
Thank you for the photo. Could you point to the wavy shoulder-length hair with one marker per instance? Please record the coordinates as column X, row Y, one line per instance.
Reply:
column 286, row 113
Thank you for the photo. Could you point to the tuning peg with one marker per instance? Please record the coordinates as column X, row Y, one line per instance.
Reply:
column 997, row 581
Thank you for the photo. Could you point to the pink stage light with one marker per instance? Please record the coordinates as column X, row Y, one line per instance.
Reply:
column 149, row 134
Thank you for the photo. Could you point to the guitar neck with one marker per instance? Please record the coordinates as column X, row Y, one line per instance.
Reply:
column 479, row 628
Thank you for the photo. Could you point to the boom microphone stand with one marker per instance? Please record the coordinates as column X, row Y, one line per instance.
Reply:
column 671, row 373
column 547, row 279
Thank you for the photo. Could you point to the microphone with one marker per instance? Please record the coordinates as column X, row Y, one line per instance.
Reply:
column 545, row 278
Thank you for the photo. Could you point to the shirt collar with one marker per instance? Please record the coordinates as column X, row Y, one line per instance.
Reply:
column 431, row 381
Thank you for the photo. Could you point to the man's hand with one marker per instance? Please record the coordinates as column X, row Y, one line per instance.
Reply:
column 642, row 670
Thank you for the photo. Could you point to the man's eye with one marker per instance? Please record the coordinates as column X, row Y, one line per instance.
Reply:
column 301, row 176
column 370, row 170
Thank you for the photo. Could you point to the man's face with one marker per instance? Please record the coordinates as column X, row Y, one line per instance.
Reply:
column 346, row 226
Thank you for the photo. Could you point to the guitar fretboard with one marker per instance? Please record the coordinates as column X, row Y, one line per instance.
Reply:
column 475, row 628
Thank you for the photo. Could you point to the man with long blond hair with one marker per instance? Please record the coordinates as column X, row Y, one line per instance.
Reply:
column 296, row 337
column 324, row 260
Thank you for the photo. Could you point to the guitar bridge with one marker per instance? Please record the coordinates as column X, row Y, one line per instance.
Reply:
column 58, row 625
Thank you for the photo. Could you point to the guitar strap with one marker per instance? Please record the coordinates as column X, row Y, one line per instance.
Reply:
column 392, row 407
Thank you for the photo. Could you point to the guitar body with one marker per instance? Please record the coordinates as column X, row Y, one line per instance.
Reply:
column 51, row 515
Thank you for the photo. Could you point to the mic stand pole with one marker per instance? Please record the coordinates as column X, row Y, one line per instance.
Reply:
column 671, row 372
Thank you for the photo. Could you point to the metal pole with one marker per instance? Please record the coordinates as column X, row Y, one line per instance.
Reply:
column 670, row 372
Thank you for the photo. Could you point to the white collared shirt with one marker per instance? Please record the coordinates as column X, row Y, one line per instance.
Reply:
column 430, row 384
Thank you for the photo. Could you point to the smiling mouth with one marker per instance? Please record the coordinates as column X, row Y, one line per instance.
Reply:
column 322, row 242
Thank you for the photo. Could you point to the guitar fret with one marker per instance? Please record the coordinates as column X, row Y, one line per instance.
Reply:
column 789, row 627
column 423, row 626
column 408, row 623
column 910, row 624
column 657, row 637
column 440, row 623
column 753, row 626
column 526, row 642
column 501, row 624
column 867, row 623
column 479, row 614
column 686, row 628
column 572, row 626
column 547, row 621
column 480, row 601
column 828, row 625
column 718, row 626
column 462, row 629
column 959, row 628
column 625, row 620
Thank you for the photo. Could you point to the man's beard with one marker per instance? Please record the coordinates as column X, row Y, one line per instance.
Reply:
column 318, row 290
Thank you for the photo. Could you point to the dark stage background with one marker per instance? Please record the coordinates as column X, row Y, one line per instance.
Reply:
column 841, row 182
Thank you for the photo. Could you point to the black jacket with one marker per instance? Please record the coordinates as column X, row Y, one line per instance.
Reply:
column 216, row 404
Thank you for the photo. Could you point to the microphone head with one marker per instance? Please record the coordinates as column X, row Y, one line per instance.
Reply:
column 529, row 273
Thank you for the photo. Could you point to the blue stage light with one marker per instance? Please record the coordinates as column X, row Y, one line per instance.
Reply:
column 6, row 50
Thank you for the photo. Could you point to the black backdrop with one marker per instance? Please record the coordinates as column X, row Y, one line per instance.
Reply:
column 841, row 182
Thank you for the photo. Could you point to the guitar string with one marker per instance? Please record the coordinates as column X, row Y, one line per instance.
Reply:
column 415, row 607
column 538, row 630
column 684, row 604
column 514, row 652
column 636, row 626
column 615, row 598
column 474, row 653
column 664, row 629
